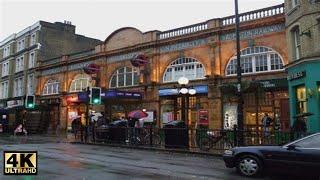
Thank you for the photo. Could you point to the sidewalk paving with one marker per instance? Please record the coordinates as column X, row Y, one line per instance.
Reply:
column 35, row 139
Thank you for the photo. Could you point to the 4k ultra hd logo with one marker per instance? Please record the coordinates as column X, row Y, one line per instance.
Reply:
column 20, row 163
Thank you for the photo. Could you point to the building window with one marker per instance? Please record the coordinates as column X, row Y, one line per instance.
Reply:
column 20, row 45
column 5, row 68
column 51, row 87
column 294, row 3
column 4, row 86
column 80, row 82
column 184, row 67
column 33, row 39
column 297, row 45
column 124, row 77
column 31, row 60
column 20, row 64
column 255, row 60
column 6, row 51
column 18, row 87
column 301, row 99
column 30, row 84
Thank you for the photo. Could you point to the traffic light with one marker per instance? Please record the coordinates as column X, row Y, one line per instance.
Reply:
column 95, row 95
column 30, row 101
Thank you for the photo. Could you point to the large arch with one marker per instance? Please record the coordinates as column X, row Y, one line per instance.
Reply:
column 184, row 67
column 80, row 82
column 256, row 59
column 124, row 77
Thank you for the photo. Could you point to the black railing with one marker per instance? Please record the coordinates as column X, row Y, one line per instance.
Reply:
column 197, row 140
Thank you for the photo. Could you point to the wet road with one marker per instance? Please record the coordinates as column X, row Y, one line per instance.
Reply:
column 72, row 161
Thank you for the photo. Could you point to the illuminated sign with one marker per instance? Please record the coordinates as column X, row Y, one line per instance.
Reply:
column 201, row 89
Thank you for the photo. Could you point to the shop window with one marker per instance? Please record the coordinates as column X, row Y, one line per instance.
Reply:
column 51, row 87
column 80, row 82
column 184, row 67
column 255, row 60
column 124, row 77
column 301, row 100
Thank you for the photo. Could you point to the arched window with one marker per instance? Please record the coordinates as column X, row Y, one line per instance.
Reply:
column 51, row 87
column 124, row 77
column 255, row 60
column 80, row 82
column 184, row 67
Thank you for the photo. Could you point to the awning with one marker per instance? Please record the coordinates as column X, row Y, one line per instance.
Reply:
column 269, row 84
column 110, row 94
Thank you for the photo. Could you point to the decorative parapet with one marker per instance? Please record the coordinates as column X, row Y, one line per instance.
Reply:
column 183, row 31
column 226, row 21
column 254, row 15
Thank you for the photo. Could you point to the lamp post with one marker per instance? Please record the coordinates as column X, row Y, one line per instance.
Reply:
column 239, row 76
column 185, row 92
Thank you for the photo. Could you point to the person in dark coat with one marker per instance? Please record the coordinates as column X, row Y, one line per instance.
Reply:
column 300, row 127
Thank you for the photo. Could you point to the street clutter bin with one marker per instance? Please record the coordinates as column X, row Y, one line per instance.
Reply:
column 117, row 131
column 176, row 135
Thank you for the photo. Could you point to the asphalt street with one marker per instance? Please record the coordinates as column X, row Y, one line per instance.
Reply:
column 77, row 161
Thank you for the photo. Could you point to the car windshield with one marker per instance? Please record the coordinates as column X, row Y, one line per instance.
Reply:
column 310, row 142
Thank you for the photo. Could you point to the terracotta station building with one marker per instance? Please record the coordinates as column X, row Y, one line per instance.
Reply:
column 204, row 53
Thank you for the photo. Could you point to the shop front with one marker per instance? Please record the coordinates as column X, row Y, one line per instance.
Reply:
column 260, row 98
column 52, row 106
column 119, row 103
column 304, row 90
column 196, row 106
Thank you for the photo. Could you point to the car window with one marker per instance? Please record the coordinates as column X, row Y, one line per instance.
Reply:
column 311, row 142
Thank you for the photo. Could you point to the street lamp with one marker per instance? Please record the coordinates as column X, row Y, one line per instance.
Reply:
column 239, row 77
column 185, row 92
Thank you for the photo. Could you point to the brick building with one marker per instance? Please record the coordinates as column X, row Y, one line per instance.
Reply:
column 22, row 52
column 303, row 37
column 203, row 52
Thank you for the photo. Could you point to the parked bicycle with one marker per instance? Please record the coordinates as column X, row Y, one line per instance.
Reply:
column 214, row 138
column 141, row 136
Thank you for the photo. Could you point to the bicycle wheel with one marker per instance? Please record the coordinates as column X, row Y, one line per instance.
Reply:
column 205, row 144
column 156, row 140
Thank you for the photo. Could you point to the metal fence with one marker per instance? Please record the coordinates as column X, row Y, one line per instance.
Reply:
column 197, row 140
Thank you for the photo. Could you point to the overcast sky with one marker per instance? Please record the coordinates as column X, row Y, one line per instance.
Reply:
column 99, row 18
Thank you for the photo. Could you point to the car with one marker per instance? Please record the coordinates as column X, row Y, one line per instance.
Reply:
column 300, row 157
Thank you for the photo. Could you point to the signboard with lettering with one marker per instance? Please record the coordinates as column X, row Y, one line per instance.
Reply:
column 14, row 103
column 203, row 117
column 201, row 89
column 296, row 75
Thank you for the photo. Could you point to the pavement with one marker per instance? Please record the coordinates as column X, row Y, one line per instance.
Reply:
column 59, row 159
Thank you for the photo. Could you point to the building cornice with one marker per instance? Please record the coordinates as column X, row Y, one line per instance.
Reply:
column 301, row 61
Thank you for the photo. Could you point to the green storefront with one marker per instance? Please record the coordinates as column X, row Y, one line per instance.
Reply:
column 304, row 92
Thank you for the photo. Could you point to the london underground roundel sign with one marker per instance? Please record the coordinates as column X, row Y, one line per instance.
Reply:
column 139, row 60
column 91, row 69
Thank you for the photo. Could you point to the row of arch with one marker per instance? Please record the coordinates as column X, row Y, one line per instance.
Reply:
column 253, row 60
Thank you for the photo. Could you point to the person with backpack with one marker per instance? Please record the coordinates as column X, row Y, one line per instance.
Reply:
column 266, row 122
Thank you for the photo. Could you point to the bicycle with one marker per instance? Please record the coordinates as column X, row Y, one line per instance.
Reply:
column 142, row 137
column 212, row 138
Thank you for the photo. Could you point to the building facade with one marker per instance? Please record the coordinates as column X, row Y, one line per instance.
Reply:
column 303, row 34
column 22, row 52
column 203, row 52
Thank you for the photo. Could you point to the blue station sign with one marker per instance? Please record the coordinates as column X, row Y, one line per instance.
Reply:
column 201, row 89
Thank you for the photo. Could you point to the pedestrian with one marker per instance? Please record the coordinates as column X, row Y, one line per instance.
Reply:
column 300, row 127
column 266, row 122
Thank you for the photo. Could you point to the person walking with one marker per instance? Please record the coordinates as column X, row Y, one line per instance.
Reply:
column 266, row 122
column 300, row 127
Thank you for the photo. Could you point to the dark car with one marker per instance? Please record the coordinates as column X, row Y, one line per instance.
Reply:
column 301, row 157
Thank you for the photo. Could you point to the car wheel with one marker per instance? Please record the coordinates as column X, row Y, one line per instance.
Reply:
column 249, row 165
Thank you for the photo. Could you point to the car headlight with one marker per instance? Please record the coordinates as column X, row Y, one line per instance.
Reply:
column 228, row 152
